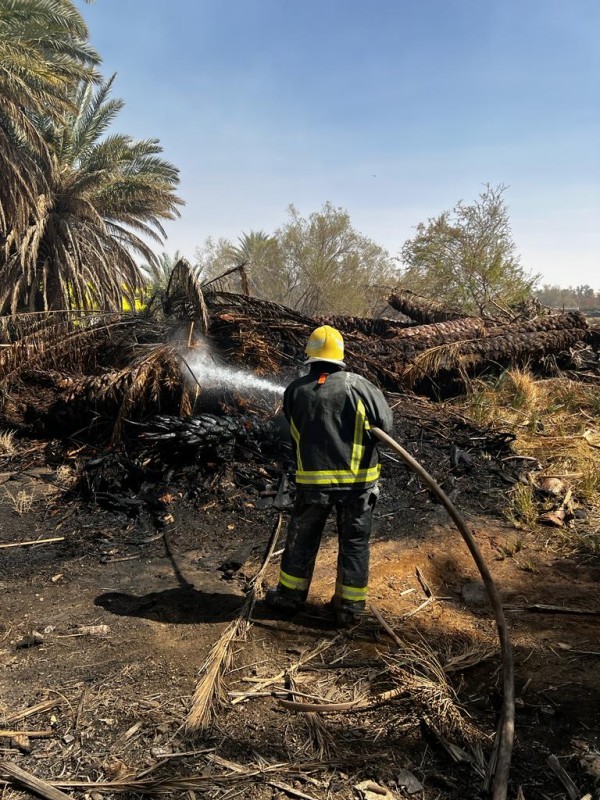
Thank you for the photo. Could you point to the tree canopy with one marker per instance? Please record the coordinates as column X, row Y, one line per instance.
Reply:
column 582, row 297
column 467, row 257
column 319, row 264
column 44, row 52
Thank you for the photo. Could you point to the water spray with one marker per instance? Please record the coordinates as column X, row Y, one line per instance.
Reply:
column 209, row 374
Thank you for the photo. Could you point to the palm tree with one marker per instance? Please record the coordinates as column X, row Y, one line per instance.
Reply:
column 158, row 274
column 105, row 198
column 43, row 52
column 249, row 244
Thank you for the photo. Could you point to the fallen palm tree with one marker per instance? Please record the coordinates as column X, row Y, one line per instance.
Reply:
column 270, row 338
column 421, row 309
column 386, row 328
column 531, row 341
column 114, row 366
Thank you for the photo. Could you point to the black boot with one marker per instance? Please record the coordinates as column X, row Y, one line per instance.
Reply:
column 275, row 598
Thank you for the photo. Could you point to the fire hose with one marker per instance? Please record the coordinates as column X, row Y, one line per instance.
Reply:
column 499, row 764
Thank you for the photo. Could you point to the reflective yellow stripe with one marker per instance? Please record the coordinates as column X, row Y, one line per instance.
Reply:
column 352, row 593
column 296, row 438
column 358, row 447
column 335, row 477
column 290, row 582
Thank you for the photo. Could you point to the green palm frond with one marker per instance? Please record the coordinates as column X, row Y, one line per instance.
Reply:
column 248, row 243
column 104, row 200
column 44, row 50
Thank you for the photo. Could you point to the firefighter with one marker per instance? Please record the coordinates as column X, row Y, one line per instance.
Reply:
column 330, row 412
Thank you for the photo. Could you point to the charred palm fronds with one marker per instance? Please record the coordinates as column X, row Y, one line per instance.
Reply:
column 219, row 284
column 420, row 309
column 184, row 297
column 153, row 380
column 72, row 342
column 593, row 333
column 51, row 401
column 268, row 337
column 135, row 479
column 174, row 438
column 257, row 333
column 222, row 302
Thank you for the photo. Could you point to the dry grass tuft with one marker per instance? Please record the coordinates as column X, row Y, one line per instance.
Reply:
column 518, row 389
column 66, row 477
column 22, row 502
column 7, row 443
column 556, row 423
column 522, row 510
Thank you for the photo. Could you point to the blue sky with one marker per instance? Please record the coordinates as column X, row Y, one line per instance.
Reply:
column 391, row 109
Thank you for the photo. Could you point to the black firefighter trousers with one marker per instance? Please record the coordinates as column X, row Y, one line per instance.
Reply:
column 354, row 511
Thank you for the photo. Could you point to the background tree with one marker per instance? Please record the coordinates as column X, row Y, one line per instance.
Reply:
column 106, row 198
column 317, row 264
column 249, row 245
column 44, row 51
column 467, row 258
column 329, row 267
column 583, row 297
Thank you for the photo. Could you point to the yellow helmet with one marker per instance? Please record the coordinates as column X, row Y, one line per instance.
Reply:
column 325, row 344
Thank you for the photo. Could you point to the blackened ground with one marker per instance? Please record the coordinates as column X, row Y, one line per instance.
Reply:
column 168, row 573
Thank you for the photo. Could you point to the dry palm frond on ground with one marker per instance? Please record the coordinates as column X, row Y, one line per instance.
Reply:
column 209, row 693
column 416, row 668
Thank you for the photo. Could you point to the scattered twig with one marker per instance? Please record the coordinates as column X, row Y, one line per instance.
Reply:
column 419, row 608
column 36, row 541
column 45, row 705
column 423, row 582
column 390, row 632
column 539, row 608
column 361, row 704
column 290, row 790
column 302, row 661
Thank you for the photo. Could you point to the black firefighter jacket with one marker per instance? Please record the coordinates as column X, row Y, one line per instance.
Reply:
column 330, row 415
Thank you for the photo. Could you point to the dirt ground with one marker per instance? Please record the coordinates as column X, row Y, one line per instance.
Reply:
column 118, row 696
